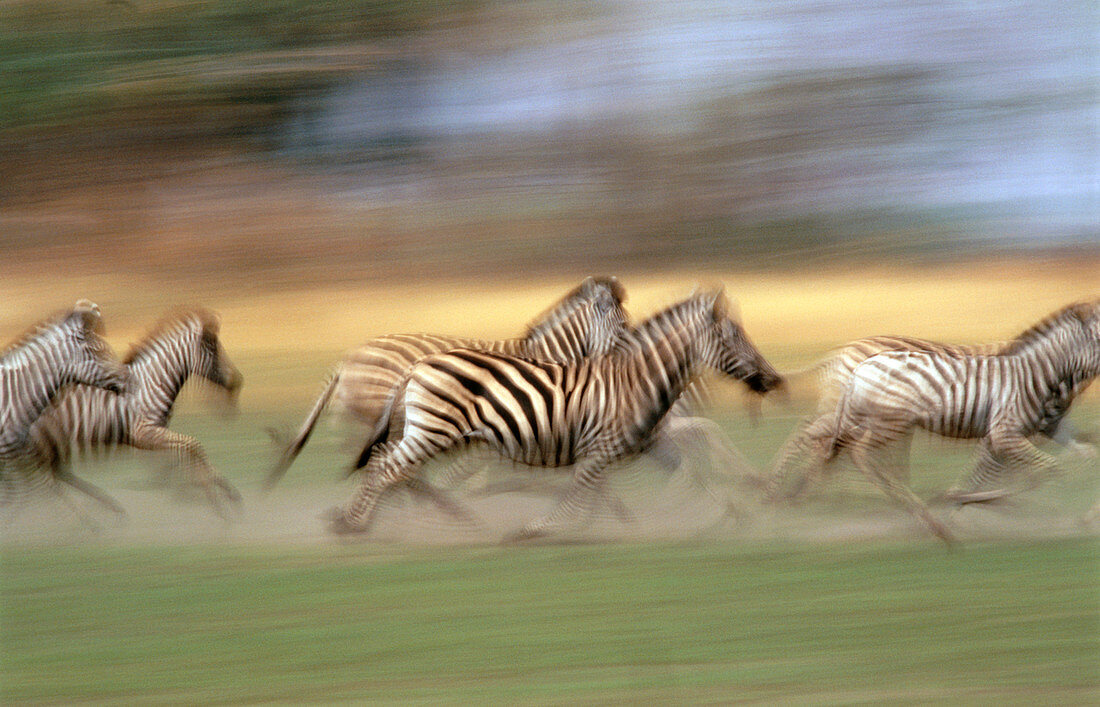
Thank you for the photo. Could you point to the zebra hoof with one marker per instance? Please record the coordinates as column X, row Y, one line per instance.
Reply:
column 524, row 535
column 975, row 497
column 339, row 525
column 331, row 515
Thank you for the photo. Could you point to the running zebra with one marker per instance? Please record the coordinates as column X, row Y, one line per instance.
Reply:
column 587, row 321
column 832, row 377
column 85, row 419
column 68, row 348
column 590, row 413
column 1001, row 399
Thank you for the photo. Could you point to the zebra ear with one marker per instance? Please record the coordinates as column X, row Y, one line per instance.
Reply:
column 605, row 284
column 90, row 317
column 734, row 310
column 719, row 303
column 212, row 325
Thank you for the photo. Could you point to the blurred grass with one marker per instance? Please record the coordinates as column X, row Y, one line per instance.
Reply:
column 1014, row 623
column 878, row 618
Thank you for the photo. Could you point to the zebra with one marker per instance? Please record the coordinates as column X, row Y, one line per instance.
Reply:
column 1000, row 399
column 833, row 374
column 85, row 419
column 587, row 321
column 590, row 412
column 65, row 349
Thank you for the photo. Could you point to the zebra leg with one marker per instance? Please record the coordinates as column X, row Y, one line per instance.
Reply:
column 77, row 511
column 1077, row 442
column 462, row 468
column 616, row 505
column 442, row 499
column 587, row 479
column 806, row 450
column 390, row 466
column 667, row 450
column 863, row 454
column 1019, row 453
column 67, row 476
column 14, row 497
column 989, row 467
column 40, row 476
column 192, row 458
column 721, row 452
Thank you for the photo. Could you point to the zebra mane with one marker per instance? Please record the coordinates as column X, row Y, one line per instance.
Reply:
column 1078, row 311
column 583, row 291
column 208, row 319
column 714, row 302
column 41, row 327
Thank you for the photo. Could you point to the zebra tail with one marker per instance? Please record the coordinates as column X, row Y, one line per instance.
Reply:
column 842, row 426
column 290, row 453
column 386, row 422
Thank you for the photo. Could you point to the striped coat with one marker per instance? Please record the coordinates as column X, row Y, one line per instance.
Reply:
column 66, row 349
column 590, row 413
column 1000, row 399
column 833, row 375
column 588, row 320
column 88, row 420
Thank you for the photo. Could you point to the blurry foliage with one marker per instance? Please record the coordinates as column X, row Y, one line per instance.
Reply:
column 207, row 67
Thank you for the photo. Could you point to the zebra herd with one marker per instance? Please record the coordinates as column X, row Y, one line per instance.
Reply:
column 584, row 388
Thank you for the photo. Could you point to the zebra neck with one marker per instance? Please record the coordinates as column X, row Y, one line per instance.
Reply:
column 158, row 382
column 1057, row 361
column 654, row 378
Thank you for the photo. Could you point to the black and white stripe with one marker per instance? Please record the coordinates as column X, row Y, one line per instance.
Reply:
column 832, row 376
column 1001, row 399
column 587, row 321
column 590, row 413
column 84, row 420
column 64, row 350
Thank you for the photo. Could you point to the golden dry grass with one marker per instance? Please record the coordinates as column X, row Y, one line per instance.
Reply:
column 794, row 317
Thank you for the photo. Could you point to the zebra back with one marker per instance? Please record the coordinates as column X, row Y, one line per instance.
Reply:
column 962, row 394
column 833, row 373
column 588, row 320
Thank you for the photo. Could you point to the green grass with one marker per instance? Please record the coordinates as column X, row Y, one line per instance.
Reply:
column 720, row 618
column 1015, row 622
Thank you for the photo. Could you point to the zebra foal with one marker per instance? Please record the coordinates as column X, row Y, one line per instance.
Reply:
column 1000, row 399
column 85, row 419
column 590, row 412
column 587, row 321
column 68, row 348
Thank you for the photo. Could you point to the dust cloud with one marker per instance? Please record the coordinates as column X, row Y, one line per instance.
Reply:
column 676, row 511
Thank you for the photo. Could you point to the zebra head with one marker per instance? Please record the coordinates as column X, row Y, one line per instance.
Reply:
column 86, row 357
column 730, row 350
column 1067, row 341
column 210, row 359
column 1089, row 315
column 588, row 321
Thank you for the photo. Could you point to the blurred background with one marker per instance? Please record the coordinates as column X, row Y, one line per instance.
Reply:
column 289, row 143
column 329, row 170
column 325, row 171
